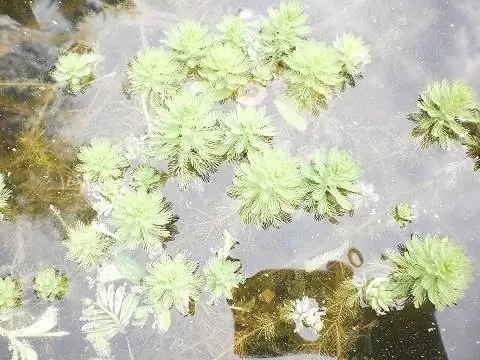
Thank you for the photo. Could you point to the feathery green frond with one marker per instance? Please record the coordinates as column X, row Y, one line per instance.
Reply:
column 187, row 134
column 10, row 293
column 142, row 218
column 156, row 74
column 431, row 268
column 75, row 71
column 444, row 107
column 86, row 245
column 248, row 130
column 403, row 214
column 328, row 181
column 50, row 284
column 225, row 69
column 173, row 282
column 146, row 178
column 353, row 53
column 313, row 74
column 380, row 295
column 472, row 143
column 5, row 192
column 233, row 30
column 189, row 41
column 222, row 276
column 268, row 187
column 283, row 30
column 101, row 160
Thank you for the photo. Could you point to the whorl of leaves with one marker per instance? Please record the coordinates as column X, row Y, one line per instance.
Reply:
column 283, row 30
column 187, row 134
column 189, row 41
column 328, row 180
column 50, row 284
column 222, row 276
column 75, row 71
column 248, row 130
column 225, row 69
column 146, row 178
column 352, row 53
column 142, row 218
column 445, row 107
column 156, row 74
column 233, row 30
column 268, row 188
column 86, row 245
column 314, row 75
column 173, row 282
column 101, row 160
column 431, row 268
column 10, row 293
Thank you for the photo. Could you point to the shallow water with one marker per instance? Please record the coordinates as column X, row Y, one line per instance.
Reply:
column 412, row 44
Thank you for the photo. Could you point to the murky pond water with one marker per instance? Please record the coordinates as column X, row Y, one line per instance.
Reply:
column 412, row 44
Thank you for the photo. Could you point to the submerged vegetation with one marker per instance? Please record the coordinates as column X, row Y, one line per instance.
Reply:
column 189, row 90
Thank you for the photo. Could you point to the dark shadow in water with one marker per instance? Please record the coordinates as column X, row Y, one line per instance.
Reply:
column 348, row 333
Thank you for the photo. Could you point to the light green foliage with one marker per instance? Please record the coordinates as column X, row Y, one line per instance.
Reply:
column 173, row 282
column 75, row 71
column 353, row 53
column 50, row 284
column 142, row 218
column 328, row 180
column 431, row 268
column 5, row 193
column 86, row 245
column 283, row 30
column 154, row 73
column 222, row 276
column 380, row 295
column 403, row 214
column 233, row 30
column 101, row 160
column 189, row 42
column 146, row 178
column 225, row 69
column 10, row 293
column 313, row 74
column 444, row 108
column 187, row 134
column 248, row 130
column 111, row 313
column 268, row 187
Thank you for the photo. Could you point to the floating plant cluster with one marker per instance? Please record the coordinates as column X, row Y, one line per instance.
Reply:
column 185, row 88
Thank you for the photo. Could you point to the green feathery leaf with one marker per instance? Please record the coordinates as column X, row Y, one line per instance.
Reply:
column 284, row 30
column 225, row 69
column 75, row 71
column 403, row 214
column 187, row 134
column 431, row 268
column 353, row 53
column 233, row 30
column 50, row 284
column 86, row 245
column 10, row 293
column 313, row 74
column 222, row 276
column 248, row 129
column 380, row 295
column 156, row 74
column 147, row 178
column 101, row 160
column 173, row 282
column 444, row 108
column 189, row 41
column 328, row 181
column 268, row 187
column 142, row 218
